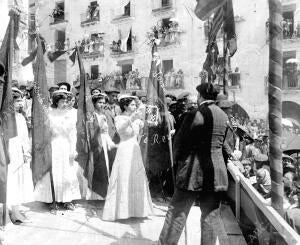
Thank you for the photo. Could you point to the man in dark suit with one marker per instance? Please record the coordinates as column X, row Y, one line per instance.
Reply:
column 201, row 170
column 111, row 111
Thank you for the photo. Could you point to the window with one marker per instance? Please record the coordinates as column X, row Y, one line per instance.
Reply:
column 127, row 10
column 94, row 72
column 289, row 72
column 60, row 40
column 167, row 66
column 58, row 13
column 166, row 23
column 165, row 3
column 94, row 11
column 288, row 24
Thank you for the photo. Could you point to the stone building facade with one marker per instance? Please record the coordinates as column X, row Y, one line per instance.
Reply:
column 115, row 43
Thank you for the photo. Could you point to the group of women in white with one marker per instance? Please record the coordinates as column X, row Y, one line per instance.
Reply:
column 124, row 186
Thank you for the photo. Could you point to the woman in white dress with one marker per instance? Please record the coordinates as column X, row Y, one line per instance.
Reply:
column 128, row 193
column 64, row 167
column 19, row 178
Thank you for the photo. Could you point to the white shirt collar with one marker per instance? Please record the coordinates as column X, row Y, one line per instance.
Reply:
column 206, row 101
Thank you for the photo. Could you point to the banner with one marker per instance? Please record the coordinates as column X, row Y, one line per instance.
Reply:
column 41, row 136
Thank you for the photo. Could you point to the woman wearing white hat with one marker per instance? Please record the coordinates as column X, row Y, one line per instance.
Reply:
column 128, row 193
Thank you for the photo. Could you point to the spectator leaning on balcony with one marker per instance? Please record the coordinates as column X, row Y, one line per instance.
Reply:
column 292, row 215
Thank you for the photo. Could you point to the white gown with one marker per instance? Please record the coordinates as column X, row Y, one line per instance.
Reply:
column 19, row 180
column 64, row 168
column 128, row 192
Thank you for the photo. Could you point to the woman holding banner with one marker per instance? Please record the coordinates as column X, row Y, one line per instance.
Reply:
column 128, row 193
column 64, row 167
column 19, row 180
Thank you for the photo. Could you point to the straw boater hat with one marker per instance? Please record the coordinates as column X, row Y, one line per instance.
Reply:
column 16, row 92
column 126, row 96
column 224, row 104
column 261, row 158
column 112, row 90
column 98, row 96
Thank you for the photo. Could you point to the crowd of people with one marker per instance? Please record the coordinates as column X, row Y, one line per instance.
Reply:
column 118, row 174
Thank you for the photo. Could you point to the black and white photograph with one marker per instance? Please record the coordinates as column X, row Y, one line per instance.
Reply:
column 150, row 122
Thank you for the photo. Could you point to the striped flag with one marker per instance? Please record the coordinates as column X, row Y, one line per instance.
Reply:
column 229, row 28
column 205, row 8
column 216, row 25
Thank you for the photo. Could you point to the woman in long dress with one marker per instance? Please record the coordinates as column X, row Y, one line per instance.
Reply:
column 101, row 145
column 19, row 180
column 128, row 193
column 64, row 167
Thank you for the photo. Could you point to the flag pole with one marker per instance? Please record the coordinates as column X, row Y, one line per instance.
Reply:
column 224, row 53
column 275, row 103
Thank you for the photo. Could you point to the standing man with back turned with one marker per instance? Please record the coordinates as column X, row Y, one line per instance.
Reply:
column 201, row 170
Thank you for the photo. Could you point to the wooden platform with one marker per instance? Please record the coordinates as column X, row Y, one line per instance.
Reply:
column 83, row 226
column 232, row 228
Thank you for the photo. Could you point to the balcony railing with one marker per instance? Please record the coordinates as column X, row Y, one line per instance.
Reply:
column 93, row 51
column 169, row 38
column 291, row 81
column 59, row 45
column 90, row 17
column 289, row 33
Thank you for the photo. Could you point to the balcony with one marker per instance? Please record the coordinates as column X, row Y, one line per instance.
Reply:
column 171, row 37
column 162, row 6
column 90, row 17
column 116, row 51
column 290, row 80
column 94, row 51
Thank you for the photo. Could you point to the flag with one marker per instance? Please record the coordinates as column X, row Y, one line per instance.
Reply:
column 205, row 8
column 154, row 143
column 32, row 55
column 8, row 127
column 229, row 28
column 84, row 119
column 41, row 136
column 216, row 25
column 52, row 56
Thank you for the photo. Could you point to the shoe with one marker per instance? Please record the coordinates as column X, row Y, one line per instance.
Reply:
column 53, row 208
column 69, row 206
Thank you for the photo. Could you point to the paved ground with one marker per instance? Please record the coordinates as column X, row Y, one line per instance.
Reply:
column 83, row 226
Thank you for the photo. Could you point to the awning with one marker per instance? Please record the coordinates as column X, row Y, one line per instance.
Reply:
column 125, row 62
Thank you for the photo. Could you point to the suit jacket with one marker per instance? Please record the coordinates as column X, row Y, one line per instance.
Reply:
column 112, row 131
column 198, row 150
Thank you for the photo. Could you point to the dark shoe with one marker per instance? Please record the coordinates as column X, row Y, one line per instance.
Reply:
column 69, row 206
column 53, row 208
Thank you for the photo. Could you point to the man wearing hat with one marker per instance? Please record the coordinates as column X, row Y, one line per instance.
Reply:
column 201, row 171
column 230, row 140
column 112, row 106
column 64, row 86
column 261, row 161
